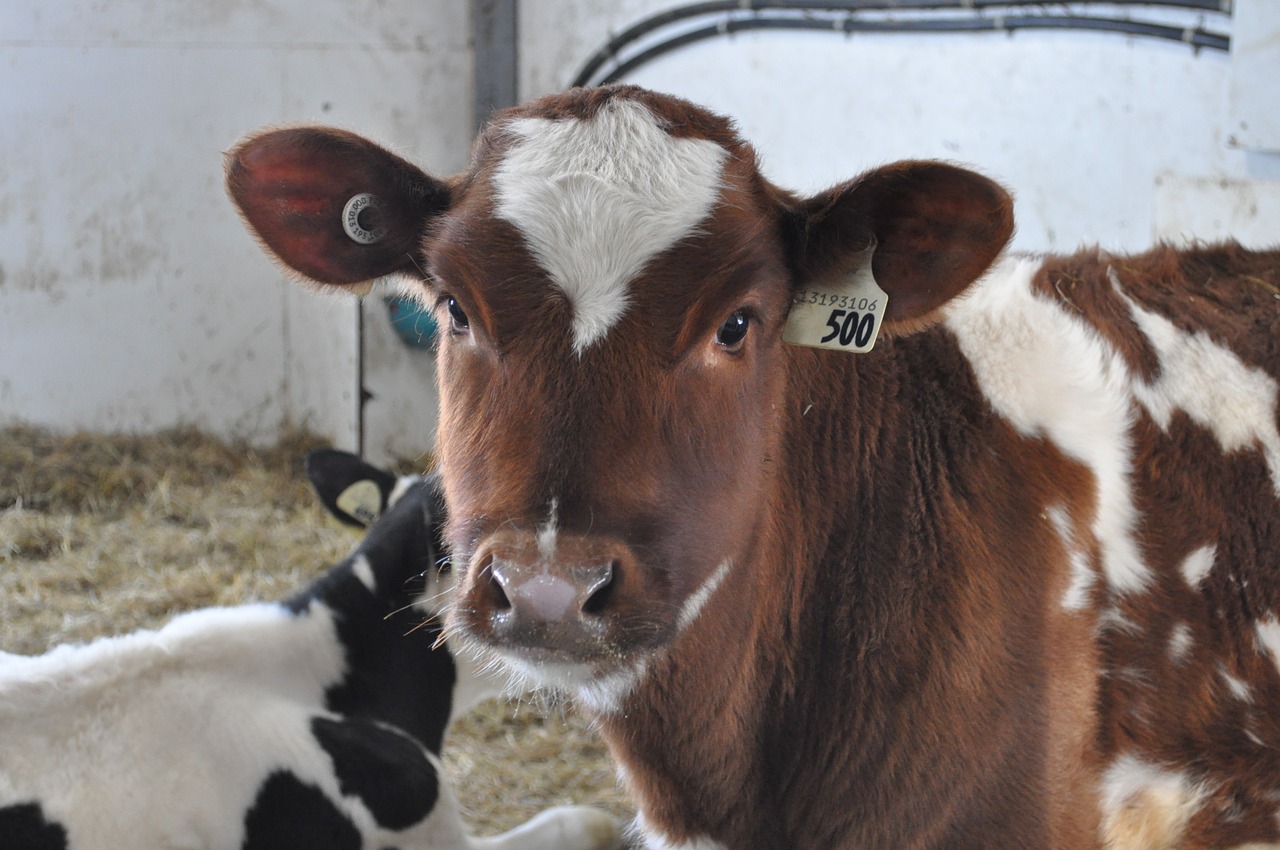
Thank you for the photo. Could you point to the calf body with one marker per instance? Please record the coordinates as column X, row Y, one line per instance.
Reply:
column 313, row 723
column 1006, row 580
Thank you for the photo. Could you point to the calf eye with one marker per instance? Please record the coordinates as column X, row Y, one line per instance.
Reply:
column 457, row 316
column 734, row 330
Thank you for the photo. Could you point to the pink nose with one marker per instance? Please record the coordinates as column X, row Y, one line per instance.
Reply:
column 564, row 599
column 535, row 593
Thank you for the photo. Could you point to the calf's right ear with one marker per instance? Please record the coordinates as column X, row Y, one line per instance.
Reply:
column 332, row 206
column 935, row 228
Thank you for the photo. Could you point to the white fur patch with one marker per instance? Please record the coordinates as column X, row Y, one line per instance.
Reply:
column 1208, row 382
column 1238, row 689
column 547, row 533
column 1180, row 642
column 1267, row 634
column 698, row 599
column 196, row 714
column 1145, row 805
column 1112, row 618
column 559, row 828
column 603, row 694
column 360, row 567
column 1196, row 566
column 1076, row 597
column 1052, row 375
column 596, row 200
column 478, row 679
column 403, row 483
column 655, row 840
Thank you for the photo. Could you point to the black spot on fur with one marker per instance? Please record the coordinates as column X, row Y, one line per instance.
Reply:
column 23, row 827
column 394, row 676
column 291, row 814
column 386, row 769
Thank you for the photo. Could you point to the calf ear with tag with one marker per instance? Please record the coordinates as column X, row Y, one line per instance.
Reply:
column 352, row 490
column 842, row 314
column 920, row 232
column 331, row 206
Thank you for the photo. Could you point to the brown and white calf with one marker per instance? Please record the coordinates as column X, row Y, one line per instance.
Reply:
column 1008, row 580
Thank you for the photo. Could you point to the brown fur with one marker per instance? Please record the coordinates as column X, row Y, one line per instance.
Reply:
column 888, row 662
column 1190, row 494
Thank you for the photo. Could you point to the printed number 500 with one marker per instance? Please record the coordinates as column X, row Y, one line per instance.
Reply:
column 855, row 327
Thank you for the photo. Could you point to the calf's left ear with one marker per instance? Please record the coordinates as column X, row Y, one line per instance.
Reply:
column 332, row 206
column 354, row 491
column 936, row 228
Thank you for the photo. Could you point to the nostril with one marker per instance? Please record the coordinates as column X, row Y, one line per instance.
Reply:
column 495, row 586
column 601, row 592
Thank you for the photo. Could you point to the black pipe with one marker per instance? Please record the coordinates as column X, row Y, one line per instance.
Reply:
column 1196, row 37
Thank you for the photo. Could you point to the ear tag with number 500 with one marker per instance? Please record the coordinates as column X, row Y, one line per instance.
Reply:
column 843, row 314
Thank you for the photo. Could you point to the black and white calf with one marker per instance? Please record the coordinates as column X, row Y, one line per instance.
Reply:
column 312, row 723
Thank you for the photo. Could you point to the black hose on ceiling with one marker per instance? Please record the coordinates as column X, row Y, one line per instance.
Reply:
column 976, row 17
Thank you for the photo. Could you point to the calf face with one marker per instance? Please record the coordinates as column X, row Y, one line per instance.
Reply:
column 615, row 276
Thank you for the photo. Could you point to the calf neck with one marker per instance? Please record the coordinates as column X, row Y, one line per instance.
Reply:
column 938, row 594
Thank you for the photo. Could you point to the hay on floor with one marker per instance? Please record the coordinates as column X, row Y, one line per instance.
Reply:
column 102, row 535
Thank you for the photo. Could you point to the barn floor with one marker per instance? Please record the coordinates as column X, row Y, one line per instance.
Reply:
column 101, row 535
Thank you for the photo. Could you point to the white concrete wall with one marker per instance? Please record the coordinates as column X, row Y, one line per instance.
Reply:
column 130, row 296
column 1255, row 97
column 1103, row 139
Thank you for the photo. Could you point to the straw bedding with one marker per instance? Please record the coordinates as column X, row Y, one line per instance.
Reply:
column 105, row 534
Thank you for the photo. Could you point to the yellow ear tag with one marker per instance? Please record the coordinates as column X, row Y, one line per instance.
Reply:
column 362, row 500
column 843, row 314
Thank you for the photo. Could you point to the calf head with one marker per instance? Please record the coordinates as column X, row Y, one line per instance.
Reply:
column 613, row 274
column 401, row 558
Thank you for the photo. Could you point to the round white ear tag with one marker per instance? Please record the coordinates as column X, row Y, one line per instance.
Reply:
column 351, row 219
column 362, row 500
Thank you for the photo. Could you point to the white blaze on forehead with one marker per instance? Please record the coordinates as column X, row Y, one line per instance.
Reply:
column 597, row 199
